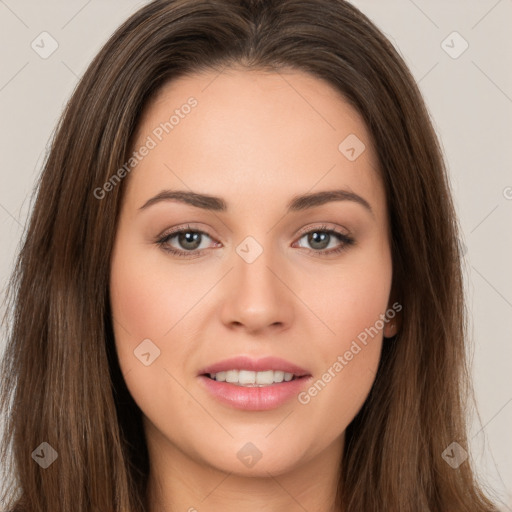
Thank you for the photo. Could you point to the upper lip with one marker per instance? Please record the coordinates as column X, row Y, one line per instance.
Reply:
column 255, row 365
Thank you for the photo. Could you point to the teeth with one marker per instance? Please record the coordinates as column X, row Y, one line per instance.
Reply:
column 252, row 379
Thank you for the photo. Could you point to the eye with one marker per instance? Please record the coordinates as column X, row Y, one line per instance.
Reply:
column 321, row 240
column 189, row 241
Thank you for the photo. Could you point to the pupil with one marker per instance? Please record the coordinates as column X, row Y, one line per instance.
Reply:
column 190, row 238
column 313, row 239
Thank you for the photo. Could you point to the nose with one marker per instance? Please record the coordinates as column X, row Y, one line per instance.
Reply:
column 258, row 296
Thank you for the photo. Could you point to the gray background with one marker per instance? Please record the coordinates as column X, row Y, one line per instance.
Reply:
column 470, row 100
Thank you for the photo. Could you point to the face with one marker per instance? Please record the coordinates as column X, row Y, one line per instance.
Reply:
column 257, row 271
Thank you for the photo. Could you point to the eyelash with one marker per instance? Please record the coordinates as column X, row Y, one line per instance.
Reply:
column 346, row 240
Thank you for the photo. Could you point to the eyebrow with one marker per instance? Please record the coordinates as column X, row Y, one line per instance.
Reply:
column 217, row 204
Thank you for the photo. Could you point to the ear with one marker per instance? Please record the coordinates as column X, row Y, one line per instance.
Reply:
column 393, row 323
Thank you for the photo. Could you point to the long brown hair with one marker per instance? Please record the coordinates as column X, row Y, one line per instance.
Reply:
column 61, row 383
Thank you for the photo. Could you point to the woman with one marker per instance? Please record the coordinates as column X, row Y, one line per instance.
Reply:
column 241, row 285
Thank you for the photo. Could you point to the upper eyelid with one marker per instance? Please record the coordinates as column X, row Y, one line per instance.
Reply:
column 301, row 233
column 184, row 229
column 323, row 227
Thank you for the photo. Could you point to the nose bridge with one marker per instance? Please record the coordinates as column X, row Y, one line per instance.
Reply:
column 256, row 296
column 253, row 265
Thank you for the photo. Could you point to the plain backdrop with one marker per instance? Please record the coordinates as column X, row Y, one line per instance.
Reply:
column 460, row 53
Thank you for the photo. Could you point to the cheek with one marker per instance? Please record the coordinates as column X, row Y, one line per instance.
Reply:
column 354, row 299
column 147, row 299
column 145, row 305
column 352, row 304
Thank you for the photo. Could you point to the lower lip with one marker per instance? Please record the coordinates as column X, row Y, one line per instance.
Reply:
column 255, row 398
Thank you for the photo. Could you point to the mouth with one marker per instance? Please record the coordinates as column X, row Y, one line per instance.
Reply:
column 253, row 391
column 244, row 383
column 253, row 379
column 246, row 370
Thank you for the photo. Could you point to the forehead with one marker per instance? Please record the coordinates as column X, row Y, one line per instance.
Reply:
column 254, row 133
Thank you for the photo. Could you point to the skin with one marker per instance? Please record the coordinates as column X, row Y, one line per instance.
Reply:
column 256, row 139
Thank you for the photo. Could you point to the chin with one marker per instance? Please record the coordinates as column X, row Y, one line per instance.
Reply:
column 256, row 458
